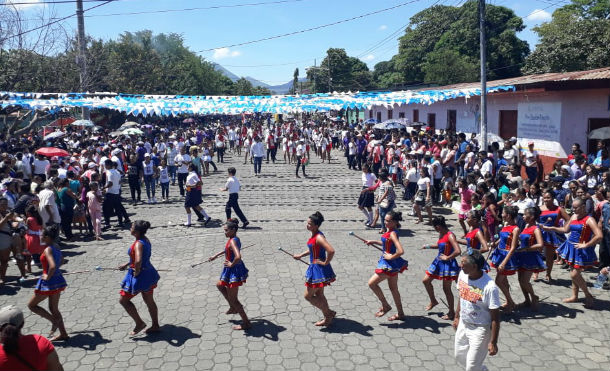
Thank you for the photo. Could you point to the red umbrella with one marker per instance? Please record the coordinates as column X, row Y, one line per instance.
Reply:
column 52, row 151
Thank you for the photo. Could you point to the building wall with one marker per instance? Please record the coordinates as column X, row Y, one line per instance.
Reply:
column 577, row 107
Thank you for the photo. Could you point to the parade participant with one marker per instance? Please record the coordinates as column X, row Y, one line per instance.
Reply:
column 112, row 200
column 67, row 200
column 390, row 264
column 141, row 277
column 423, row 196
column 529, row 257
column 465, row 202
column 503, row 256
column 50, row 284
column 23, row 352
column 193, row 198
column 149, row 171
column 233, row 187
column 182, row 162
column 550, row 216
column 385, row 197
column 300, row 158
column 320, row 273
column 257, row 152
column 366, row 200
column 578, row 251
column 164, row 180
column 444, row 267
column 32, row 235
column 234, row 274
column 475, row 238
column 477, row 320
column 492, row 219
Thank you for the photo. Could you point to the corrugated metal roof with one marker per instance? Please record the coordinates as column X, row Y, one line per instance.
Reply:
column 597, row 74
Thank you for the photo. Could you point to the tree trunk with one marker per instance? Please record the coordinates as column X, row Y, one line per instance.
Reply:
column 37, row 117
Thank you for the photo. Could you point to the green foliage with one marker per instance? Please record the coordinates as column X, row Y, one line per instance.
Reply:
column 577, row 38
column 139, row 63
column 245, row 87
column 441, row 46
column 340, row 72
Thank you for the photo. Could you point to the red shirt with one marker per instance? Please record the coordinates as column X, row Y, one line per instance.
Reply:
column 33, row 348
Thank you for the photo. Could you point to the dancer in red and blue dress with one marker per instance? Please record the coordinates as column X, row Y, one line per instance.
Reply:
column 578, row 250
column 234, row 273
column 475, row 238
column 141, row 277
column 390, row 264
column 444, row 267
column 529, row 257
column 320, row 273
column 50, row 284
column 550, row 216
column 503, row 256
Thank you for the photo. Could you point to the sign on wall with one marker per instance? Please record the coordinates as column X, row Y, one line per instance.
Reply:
column 468, row 119
column 539, row 121
column 542, row 122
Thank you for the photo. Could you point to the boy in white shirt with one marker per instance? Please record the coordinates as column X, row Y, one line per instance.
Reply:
column 233, row 187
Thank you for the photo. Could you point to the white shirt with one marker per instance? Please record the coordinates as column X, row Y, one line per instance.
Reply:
column 530, row 157
column 182, row 161
column 509, row 155
column 368, row 179
column 192, row 179
column 477, row 298
column 300, row 150
column 422, row 183
column 486, row 168
column 233, row 185
column 171, row 156
column 412, row 175
column 47, row 198
column 352, row 148
column 163, row 174
column 115, row 177
column 257, row 150
column 231, row 134
column 148, row 168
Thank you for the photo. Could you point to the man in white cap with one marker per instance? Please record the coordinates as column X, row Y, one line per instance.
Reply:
column 24, row 352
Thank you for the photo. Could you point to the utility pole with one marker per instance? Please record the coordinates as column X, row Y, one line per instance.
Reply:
column 483, row 76
column 82, row 58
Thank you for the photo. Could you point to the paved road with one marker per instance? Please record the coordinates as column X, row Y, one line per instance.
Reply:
column 197, row 334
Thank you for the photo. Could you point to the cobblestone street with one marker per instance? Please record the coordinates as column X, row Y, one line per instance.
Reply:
column 197, row 334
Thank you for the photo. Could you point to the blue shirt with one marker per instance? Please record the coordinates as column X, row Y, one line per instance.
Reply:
column 605, row 216
column 461, row 150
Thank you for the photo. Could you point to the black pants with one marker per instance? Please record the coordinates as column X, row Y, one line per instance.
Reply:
column 112, row 206
column 360, row 160
column 181, row 181
column 220, row 154
column 134, row 187
column 66, row 214
column 232, row 203
column 351, row 161
column 213, row 165
column 273, row 154
column 604, row 249
column 301, row 165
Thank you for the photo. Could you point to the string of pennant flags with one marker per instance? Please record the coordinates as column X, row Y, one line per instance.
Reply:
column 174, row 105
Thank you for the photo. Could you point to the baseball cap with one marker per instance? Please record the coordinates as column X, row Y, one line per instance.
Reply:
column 11, row 315
column 147, row 155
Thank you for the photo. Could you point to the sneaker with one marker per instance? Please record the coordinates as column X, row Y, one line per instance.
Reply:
column 154, row 200
column 22, row 280
column 187, row 224
column 246, row 223
column 207, row 221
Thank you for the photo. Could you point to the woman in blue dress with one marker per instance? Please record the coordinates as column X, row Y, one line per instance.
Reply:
column 320, row 273
column 578, row 251
column 444, row 267
column 550, row 216
column 390, row 264
column 50, row 284
column 141, row 277
column 529, row 257
column 503, row 256
column 475, row 238
column 234, row 273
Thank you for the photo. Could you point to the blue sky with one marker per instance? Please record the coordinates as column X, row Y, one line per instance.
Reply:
column 274, row 61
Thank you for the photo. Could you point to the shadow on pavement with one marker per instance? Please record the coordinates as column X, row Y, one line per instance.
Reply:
column 545, row 310
column 174, row 335
column 418, row 323
column 262, row 328
column 348, row 326
column 87, row 340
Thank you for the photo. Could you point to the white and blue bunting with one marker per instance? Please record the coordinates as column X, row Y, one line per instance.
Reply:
column 173, row 105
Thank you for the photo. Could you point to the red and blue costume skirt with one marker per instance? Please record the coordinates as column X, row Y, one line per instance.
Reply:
column 319, row 275
column 234, row 276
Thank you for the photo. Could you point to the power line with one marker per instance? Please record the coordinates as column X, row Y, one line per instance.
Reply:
column 311, row 28
column 10, row 3
column 55, row 21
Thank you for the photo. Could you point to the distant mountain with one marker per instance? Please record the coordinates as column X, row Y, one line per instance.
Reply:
column 277, row 89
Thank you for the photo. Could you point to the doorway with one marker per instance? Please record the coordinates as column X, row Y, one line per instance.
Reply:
column 432, row 120
column 508, row 124
column 451, row 120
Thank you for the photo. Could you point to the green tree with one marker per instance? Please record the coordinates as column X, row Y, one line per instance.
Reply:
column 295, row 81
column 577, row 38
column 441, row 46
column 340, row 72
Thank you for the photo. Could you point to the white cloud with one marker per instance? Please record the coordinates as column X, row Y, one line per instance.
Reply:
column 539, row 15
column 382, row 27
column 25, row 4
column 368, row 58
column 225, row 53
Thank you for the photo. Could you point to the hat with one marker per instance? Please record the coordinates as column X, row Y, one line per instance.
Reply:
column 443, row 142
column 91, row 165
column 372, row 136
column 116, row 152
column 147, row 155
column 513, row 139
column 11, row 315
